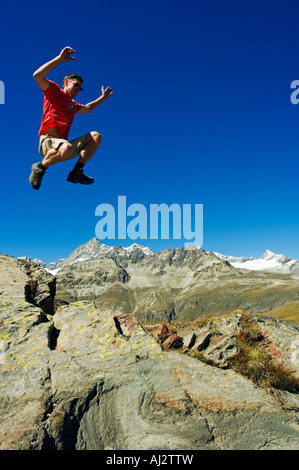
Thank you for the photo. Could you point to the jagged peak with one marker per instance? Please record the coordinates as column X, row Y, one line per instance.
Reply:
column 134, row 246
column 268, row 254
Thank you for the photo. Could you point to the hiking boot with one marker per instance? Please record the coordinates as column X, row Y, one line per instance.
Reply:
column 77, row 176
column 36, row 176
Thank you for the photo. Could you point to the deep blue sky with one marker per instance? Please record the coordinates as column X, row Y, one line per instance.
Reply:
column 201, row 113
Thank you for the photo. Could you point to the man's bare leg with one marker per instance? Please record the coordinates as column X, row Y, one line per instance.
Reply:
column 91, row 145
column 52, row 156
column 64, row 153
column 61, row 154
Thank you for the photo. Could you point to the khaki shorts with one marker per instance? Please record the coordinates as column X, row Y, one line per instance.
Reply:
column 47, row 142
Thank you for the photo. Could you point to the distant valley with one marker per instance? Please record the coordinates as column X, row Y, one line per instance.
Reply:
column 184, row 283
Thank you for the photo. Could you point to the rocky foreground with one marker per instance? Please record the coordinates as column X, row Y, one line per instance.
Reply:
column 84, row 377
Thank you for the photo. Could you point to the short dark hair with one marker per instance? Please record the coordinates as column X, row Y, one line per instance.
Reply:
column 71, row 76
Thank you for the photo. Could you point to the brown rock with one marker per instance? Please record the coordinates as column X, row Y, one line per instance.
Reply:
column 125, row 324
column 172, row 342
column 162, row 333
column 168, row 339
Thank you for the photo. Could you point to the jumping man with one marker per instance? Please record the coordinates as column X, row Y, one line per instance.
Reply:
column 59, row 110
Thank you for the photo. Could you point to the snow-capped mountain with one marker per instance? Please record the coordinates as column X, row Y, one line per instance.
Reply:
column 268, row 262
column 84, row 252
column 145, row 249
column 88, row 250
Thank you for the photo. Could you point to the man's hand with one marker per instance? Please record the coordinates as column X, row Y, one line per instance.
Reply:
column 106, row 92
column 41, row 73
column 65, row 54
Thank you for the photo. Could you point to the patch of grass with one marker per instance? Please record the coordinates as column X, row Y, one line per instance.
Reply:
column 256, row 363
column 254, row 359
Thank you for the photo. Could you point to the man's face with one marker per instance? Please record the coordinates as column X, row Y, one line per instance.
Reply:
column 72, row 87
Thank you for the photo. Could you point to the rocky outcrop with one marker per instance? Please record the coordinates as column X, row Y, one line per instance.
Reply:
column 91, row 378
column 220, row 339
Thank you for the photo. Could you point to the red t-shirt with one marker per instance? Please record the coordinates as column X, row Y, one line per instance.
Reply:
column 59, row 110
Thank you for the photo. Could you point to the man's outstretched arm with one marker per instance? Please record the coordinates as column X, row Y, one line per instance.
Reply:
column 94, row 104
column 41, row 73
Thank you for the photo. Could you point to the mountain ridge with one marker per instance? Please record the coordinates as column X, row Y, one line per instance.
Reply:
column 176, row 283
column 269, row 261
column 90, row 249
